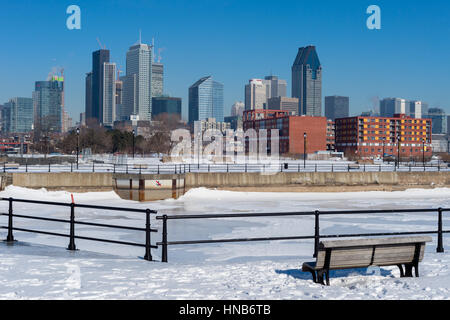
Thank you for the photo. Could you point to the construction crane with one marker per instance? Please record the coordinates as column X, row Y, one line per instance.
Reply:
column 101, row 46
column 119, row 71
column 160, row 50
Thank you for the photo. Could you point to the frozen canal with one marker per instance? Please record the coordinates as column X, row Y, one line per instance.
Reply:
column 38, row 266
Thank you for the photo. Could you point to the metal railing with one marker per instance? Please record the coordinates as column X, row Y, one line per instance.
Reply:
column 72, row 221
column 165, row 243
column 224, row 168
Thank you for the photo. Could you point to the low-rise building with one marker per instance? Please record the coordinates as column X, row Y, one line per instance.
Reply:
column 370, row 137
column 292, row 130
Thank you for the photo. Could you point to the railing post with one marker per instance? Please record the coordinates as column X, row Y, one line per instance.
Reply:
column 114, row 166
column 140, row 169
column 26, row 167
column 164, row 239
column 316, row 233
column 315, row 168
column 440, row 246
column 10, row 237
column 4, row 167
column 49, row 170
column 126, row 168
column 158, row 169
column 72, row 246
column 93, row 166
column 332, row 168
column 71, row 167
column 148, row 254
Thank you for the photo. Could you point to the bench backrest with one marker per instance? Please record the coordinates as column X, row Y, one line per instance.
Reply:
column 367, row 252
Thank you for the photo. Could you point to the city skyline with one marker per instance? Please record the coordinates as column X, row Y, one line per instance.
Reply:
column 362, row 72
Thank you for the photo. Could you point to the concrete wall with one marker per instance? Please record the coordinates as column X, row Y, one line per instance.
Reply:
column 223, row 180
column 64, row 181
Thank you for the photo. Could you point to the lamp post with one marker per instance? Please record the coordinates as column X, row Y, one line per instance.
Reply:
column 383, row 151
column 78, row 144
column 304, row 150
column 423, row 151
column 133, row 142
column 398, row 150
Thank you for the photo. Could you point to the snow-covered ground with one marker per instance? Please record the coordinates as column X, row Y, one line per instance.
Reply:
column 39, row 266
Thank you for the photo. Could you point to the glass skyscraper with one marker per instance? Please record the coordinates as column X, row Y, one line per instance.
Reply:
column 48, row 100
column 99, row 58
column 17, row 115
column 439, row 120
column 206, row 100
column 307, row 81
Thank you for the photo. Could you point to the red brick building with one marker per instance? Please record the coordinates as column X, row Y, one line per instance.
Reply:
column 291, row 130
column 369, row 137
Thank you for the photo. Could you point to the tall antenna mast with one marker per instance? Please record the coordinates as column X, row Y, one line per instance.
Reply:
column 140, row 36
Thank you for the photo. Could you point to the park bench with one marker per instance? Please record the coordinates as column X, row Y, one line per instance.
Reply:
column 363, row 253
column 353, row 167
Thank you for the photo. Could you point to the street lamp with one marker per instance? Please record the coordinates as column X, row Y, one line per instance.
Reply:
column 78, row 144
column 423, row 151
column 398, row 150
column 383, row 150
column 133, row 142
column 304, row 149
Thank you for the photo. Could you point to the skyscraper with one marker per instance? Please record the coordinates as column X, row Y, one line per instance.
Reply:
column 48, row 101
column 237, row 109
column 157, row 79
column 255, row 94
column 129, row 97
column 418, row 109
column 275, row 87
column 391, row 106
column 139, row 63
column 88, row 96
column 336, row 107
column 167, row 105
column 109, row 94
column 206, row 100
column 439, row 120
column 99, row 58
column 17, row 115
column 307, row 81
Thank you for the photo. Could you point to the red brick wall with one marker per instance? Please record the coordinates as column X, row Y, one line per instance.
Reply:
column 316, row 130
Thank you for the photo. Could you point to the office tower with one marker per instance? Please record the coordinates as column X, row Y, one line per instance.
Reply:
column 129, row 97
column 418, row 109
column 392, row 106
column 99, row 58
column 439, row 120
column 206, row 100
column 88, row 96
column 218, row 101
column 17, row 115
column 237, row 109
column 275, row 87
column 137, row 90
column 307, row 81
column 157, row 79
column 167, row 105
column 109, row 94
column 337, row 107
column 82, row 119
column 284, row 104
column 255, row 94
column 119, row 100
column 48, row 100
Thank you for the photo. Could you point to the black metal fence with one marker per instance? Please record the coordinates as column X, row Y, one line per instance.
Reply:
column 229, row 168
column 72, row 221
column 165, row 243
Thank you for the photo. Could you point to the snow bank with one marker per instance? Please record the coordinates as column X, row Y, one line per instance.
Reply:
column 56, row 196
column 213, row 194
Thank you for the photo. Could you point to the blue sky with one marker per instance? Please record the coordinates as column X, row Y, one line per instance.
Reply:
column 235, row 40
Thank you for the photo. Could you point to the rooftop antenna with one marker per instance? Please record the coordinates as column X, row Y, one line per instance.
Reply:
column 140, row 36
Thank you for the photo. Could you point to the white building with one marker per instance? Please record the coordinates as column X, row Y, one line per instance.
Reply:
column 238, row 109
column 137, row 90
column 255, row 94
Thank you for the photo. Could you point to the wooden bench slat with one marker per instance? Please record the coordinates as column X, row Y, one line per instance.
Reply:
column 367, row 242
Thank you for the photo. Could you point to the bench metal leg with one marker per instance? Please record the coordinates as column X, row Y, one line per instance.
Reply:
column 402, row 273
column 320, row 277
column 327, row 272
column 408, row 270
column 416, row 269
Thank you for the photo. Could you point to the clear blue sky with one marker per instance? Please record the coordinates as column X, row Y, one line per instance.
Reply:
column 235, row 40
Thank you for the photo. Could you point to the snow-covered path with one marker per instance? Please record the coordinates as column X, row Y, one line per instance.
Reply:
column 39, row 267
